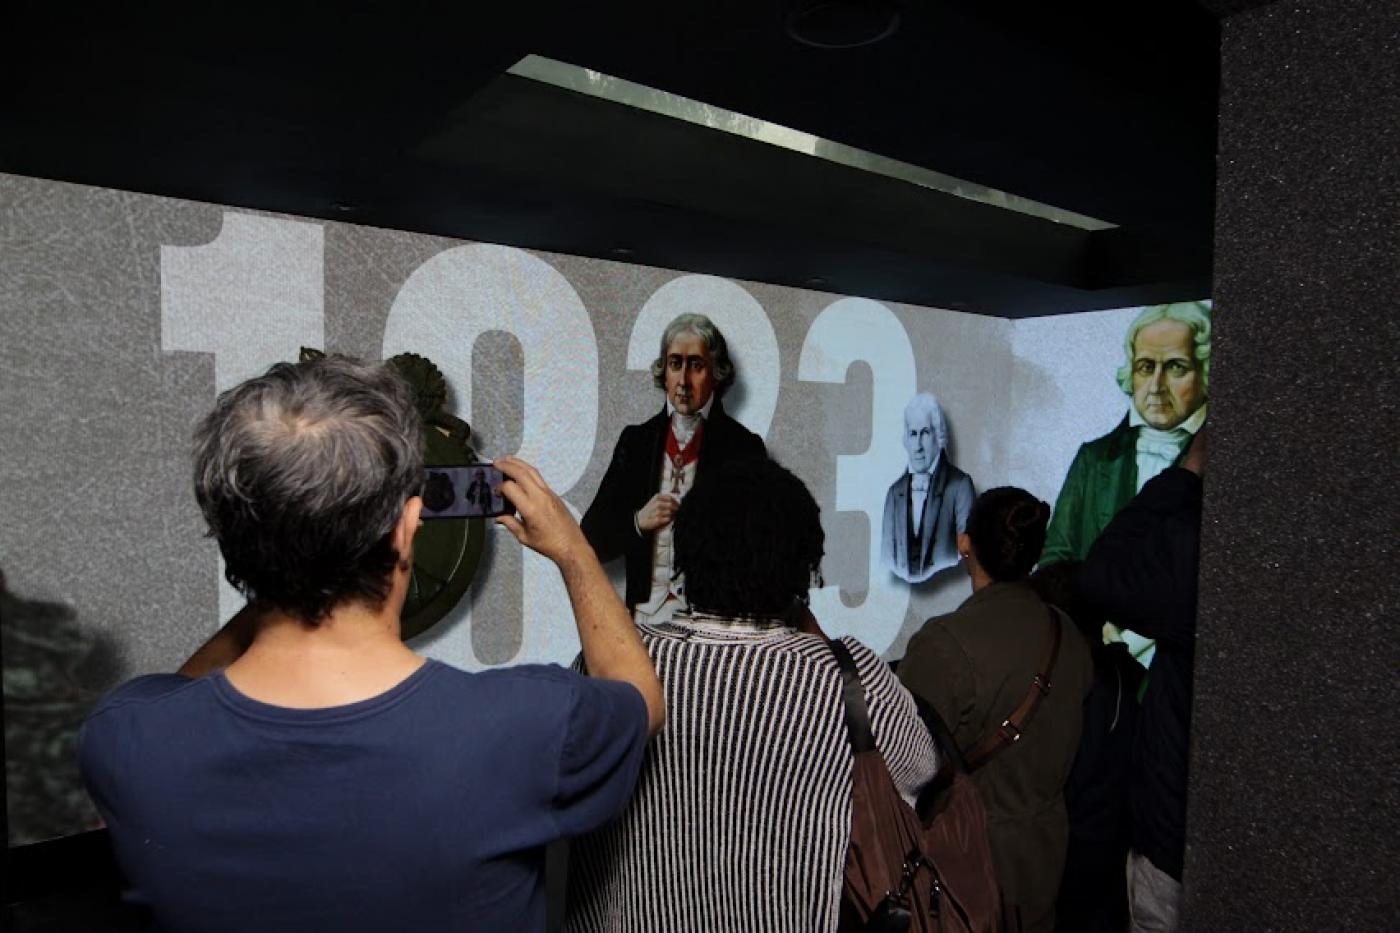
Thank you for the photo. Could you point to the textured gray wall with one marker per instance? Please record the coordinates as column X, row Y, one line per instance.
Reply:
column 121, row 315
column 1296, row 776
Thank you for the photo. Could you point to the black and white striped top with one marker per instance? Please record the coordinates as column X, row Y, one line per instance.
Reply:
column 742, row 813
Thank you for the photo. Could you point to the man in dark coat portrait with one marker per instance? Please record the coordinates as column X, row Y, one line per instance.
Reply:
column 927, row 507
column 656, row 462
column 478, row 494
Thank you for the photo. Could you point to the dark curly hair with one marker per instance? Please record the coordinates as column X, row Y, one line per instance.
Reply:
column 749, row 540
column 1007, row 528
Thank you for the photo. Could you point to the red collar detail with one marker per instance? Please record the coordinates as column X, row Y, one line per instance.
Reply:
column 681, row 458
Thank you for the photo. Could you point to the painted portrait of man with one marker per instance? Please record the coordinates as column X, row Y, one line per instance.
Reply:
column 927, row 507
column 656, row 463
column 1166, row 376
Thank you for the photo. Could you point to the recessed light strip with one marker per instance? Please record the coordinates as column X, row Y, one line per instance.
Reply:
column 641, row 97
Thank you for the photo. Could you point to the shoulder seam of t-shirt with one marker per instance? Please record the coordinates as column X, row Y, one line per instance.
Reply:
column 105, row 706
column 555, row 673
column 248, row 708
column 574, row 699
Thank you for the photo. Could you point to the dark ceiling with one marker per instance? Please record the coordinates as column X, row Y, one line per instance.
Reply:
column 403, row 117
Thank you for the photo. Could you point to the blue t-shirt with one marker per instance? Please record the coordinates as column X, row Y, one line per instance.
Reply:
column 424, row 808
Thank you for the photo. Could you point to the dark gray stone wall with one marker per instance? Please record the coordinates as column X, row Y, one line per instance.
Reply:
column 1296, row 775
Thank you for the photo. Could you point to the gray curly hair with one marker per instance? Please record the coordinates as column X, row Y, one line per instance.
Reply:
column 710, row 336
column 302, row 474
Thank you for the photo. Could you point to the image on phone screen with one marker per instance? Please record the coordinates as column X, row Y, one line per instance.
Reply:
column 470, row 491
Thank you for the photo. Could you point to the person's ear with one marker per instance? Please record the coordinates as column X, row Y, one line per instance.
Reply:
column 964, row 544
column 409, row 521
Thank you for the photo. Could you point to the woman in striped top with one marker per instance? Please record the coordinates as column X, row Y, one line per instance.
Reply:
column 742, row 814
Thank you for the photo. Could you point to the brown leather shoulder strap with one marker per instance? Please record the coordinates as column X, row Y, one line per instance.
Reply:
column 1012, row 727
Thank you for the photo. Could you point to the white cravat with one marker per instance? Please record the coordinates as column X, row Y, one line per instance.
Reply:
column 918, row 490
column 1156, row 449
column 683, row 426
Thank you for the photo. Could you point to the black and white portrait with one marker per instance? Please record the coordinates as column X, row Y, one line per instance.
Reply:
column 927, row 506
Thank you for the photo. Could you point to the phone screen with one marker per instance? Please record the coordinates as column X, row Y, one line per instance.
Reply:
column 470, row 491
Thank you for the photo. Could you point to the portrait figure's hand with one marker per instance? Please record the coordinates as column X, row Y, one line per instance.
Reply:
column 544, row 522
column 659, row 512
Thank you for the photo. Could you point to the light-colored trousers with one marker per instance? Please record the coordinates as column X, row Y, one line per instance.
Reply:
column 1154, row 897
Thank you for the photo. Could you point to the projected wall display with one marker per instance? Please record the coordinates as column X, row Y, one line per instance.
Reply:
column 926, row 508
column 1165, row 373
column 657, row 462
column 122, row 316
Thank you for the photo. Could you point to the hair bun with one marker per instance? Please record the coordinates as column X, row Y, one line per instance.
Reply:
column 1026, row 514
column 1007, row 527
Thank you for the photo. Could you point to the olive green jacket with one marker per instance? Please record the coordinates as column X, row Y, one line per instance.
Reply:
column 974, row 666
column 1101, row 480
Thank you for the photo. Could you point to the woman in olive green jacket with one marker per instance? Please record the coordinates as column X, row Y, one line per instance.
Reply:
column 975, row 666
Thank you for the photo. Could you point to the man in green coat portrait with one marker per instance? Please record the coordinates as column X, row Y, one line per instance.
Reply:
column 1166, row 375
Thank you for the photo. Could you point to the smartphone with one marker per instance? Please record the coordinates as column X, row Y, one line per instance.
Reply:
column 471, row 491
